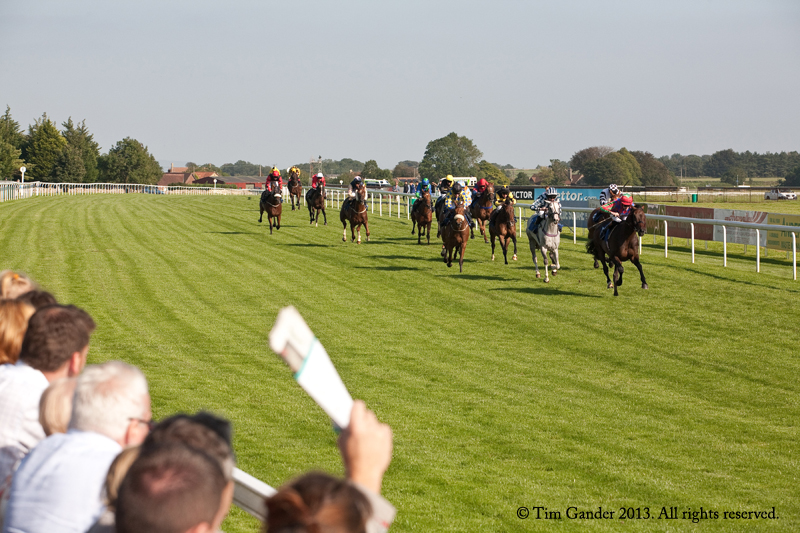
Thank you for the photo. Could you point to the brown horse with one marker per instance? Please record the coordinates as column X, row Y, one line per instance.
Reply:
column 596, row 219
column 455, row 236
column 354, row 210
column 295, row 189
column 504, row 227
column 622, row 245
column 315, row 200
column 271, row 203
column 421, row 215
column 481, row 209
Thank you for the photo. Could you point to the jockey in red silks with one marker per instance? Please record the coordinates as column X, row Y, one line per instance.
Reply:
column 620, row 208
column 317, row 180
column 479, row 188
column 274, row 177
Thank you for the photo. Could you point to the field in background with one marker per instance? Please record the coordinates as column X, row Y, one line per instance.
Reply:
column 501, row 391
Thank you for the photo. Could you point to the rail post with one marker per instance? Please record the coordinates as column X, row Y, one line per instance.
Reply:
column 574, row 227
column 724, row 246
column 692, row 225
column 794, row 256
column 666, row 239
column 758, row 251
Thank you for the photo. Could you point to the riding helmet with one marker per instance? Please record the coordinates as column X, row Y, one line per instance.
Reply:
column 626, row 200
column 613, row 188
column 457, row 188
column 551, row 192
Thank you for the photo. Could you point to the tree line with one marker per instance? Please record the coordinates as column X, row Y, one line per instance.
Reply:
column 731, row 166
column 70, row 154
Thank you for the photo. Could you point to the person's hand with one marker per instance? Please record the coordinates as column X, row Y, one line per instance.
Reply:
column 366, row 447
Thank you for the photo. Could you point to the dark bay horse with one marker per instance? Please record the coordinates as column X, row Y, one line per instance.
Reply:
column 315, row 200
column 455, row 236
column 421, row 215
column 622, row 245
column 295, row 189
column 481, row 209
column 271, row 203
column 355, row 212
column 596, row 220
column 503, row 227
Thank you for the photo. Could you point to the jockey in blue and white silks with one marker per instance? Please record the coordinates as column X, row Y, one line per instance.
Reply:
column 549, row 196
column 457, row 194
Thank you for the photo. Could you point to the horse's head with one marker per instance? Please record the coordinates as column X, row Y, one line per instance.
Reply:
column 275, row 188
column 554, row 210
column 638, row 219
column 489, row 191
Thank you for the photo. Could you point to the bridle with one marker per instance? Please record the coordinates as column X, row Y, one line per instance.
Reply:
column 552, row 213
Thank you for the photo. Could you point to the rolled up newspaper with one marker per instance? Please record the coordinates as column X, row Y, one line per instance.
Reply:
column 293, row 340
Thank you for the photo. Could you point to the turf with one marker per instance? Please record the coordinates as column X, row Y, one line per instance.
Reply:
column 502, row 391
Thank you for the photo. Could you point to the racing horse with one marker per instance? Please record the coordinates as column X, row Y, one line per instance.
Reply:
column 503, row 227
column 271, row 203
column 295, row 189
column 455, row 236
column 596, row 221
column 481, row 209
column 354, row 210
column 546, row 239
column 421, row 215
column 315, row 200
column 622, row 245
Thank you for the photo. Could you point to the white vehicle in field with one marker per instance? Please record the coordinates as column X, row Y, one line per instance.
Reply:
column 778, row 194
column 376, row 184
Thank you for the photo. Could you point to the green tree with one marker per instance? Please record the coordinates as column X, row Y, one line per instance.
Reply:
column 9, row 160
column 734, row 176
column 521, row 179
column 654, row 172
column 79, row 138
column 42, row 148
column 792, row 178
column 451, row 154
column 128, row 161
column 404, row 171
column 618, row 167
column 491, row 173
column 69, row 166
column 560, row 173
column 720, row 163
column 10, row 132
column 581, row 158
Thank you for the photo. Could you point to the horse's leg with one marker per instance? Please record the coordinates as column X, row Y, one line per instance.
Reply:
column 461, row 256
column 472, row 228
column 279, row 221
column 493, row 236
column 554, row 257
column 353, row 231
column 514, row 240
column 602, row 259
column 450, row 256
column 323, row 215
column 483, row 231
column 635, row 261
column 366, row 228
column 428, row 232
column 413, row 224
column 617, row 274
column 621, row 271
column 261, row 207
column 344, row 231
column 504, row 246
column 546, row 265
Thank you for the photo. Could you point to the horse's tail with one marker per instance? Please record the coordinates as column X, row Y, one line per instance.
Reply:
column 590, row 247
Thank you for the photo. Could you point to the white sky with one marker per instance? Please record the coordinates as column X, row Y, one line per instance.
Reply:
column 280, row 82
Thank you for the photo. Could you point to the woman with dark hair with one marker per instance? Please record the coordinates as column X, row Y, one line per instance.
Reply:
column 321, row 503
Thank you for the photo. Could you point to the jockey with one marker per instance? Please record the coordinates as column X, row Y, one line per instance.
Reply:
column 444, row 187
column 501, row 196
column 317, row 180
column 351, row 191
column 274, row 178
column 294, row 170
column 479, row 188
column 457, row 194
column 424, row 186
column 549, row 196
column 609, row 194
column 619, row 210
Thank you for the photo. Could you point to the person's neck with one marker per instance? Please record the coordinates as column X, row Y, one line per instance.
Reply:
column 55, row 375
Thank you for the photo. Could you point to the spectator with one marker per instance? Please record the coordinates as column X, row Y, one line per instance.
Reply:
column 116, row 473
column 111, row 410
column 405, row 186
column 171, row 488
column 55, row 407
column 55, row 346
column 13, row 284
column 14, row 317
column 319, row 502
column 38, row 299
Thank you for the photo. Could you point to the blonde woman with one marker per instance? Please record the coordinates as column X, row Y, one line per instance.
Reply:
column 13, row 284
column 14, row 317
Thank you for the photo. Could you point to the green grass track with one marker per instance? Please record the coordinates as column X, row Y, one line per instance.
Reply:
column 502, row 391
